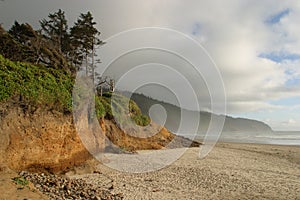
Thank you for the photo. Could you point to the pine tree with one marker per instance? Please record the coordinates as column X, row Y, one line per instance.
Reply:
column 21, row 32
column 56, row 29
column 30, row 39
column 84, row 39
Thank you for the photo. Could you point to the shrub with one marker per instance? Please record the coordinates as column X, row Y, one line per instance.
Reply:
column 50, row 88
column 35, row 85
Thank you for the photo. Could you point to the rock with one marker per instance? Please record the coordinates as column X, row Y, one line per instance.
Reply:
column 56, row 187
column 111, row 187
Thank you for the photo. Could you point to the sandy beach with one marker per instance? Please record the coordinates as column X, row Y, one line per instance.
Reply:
column 230, row 171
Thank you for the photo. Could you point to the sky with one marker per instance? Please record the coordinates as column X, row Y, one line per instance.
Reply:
column 255, row 44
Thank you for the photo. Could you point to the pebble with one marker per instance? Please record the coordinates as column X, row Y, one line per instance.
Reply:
column 57, row 187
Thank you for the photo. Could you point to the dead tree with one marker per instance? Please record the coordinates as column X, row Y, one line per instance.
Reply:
column 102, row 80
column 111, row 85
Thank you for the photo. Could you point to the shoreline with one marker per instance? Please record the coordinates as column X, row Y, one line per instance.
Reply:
column 259, row 144
column 237, row 141
column 230, row 171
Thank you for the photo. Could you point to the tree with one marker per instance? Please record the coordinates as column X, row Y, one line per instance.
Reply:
column 99, row 87
column 102, row 81
column 30, row 39
column 12, row 49
column 37, row 48
column 21, row 32
column 56, row 29
column 84, row 39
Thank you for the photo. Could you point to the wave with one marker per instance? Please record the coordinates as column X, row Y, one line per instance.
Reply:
column 281, row 137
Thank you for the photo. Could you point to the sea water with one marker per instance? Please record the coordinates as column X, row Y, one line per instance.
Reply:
column 280, row 137
column 275, row 137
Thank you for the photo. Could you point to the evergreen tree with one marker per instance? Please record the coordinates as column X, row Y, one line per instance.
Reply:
column 84, row 39
column 56, row 29
column 30, row 40
column 12, row 49
column 21, row 32
column 37, row 48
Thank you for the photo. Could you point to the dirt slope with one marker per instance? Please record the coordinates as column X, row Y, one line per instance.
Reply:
column 48, row 141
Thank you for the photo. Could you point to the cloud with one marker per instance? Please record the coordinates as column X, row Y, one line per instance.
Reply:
column 235, row 37
column 291, row 121
column 288, row 125
column 256, row 45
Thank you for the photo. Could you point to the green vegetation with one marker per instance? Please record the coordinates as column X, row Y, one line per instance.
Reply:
column 122, row 106
column 37, row 67
column 55, row 45
column 21, row 182
column 42, row 87
column 35, row 85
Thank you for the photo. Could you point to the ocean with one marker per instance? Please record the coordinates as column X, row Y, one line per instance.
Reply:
column 276, row 137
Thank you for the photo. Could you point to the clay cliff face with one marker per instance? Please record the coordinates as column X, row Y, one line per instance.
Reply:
column 48, row 141
column 42, row 140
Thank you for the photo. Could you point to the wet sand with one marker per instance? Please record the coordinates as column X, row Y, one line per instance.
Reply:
column 230, row 171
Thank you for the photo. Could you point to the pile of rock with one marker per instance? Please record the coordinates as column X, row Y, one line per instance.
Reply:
column 57, row 187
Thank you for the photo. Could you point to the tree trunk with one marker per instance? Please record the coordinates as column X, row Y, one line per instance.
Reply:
column 93, row 65
column 101, row 91
column 86, row 64
column 112, row 85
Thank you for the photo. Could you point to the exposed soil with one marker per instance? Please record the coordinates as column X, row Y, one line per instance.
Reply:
column 48, row 141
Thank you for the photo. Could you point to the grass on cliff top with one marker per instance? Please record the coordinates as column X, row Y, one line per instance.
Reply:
column 35, row 85
column 122, row 106
column 39, row 86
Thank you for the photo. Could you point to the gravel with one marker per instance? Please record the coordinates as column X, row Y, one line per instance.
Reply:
column 58, row 187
